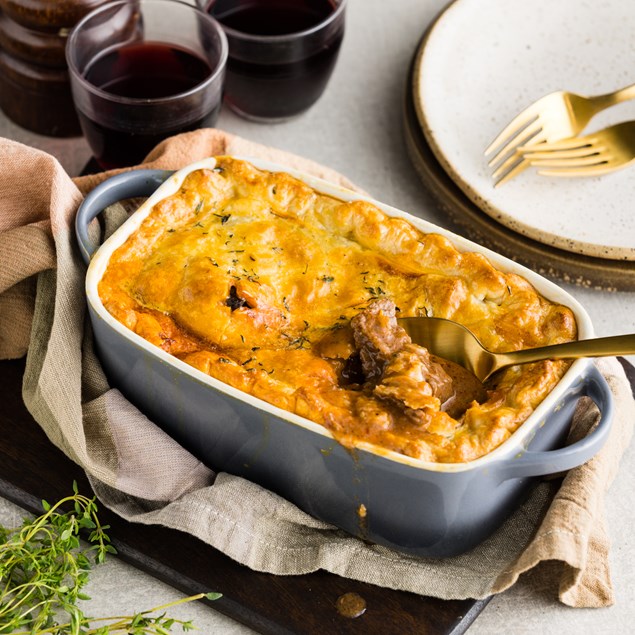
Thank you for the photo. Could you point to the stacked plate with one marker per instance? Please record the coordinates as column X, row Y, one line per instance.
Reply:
column 481, row 63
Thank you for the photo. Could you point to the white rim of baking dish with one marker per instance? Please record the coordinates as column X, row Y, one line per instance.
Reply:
column 517, row 441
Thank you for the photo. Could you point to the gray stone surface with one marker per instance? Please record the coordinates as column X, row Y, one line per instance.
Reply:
column 356, row 128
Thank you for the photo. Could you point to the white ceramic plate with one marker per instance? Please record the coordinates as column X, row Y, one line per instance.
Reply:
column 486, row 60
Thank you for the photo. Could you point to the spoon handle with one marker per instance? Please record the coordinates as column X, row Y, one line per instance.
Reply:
column 598, row 347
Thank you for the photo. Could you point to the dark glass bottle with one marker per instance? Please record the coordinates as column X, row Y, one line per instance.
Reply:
column 34, row 85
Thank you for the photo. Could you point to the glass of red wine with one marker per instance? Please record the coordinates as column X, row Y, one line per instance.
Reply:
column 281, row 53
column 142, row 71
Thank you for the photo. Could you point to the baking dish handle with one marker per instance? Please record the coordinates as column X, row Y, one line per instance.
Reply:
column 116, row 188
column 553, row 461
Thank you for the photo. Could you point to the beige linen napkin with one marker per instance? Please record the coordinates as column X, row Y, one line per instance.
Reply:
column 141, row 473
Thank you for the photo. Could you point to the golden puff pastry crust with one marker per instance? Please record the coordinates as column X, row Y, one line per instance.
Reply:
column 254, row 278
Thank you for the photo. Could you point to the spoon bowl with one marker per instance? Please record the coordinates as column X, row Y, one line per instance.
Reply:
column 466, row 388
column 455, row 342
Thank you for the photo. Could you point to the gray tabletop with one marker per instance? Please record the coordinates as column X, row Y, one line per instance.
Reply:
column 356, row 128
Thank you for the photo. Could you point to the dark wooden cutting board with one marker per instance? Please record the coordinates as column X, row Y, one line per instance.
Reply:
column 31, row 469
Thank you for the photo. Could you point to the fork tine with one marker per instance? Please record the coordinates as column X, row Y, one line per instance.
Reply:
column 564, row 144
column 511, row 130
column 570, row 163
column 565, row 158
column 576, row 172
column 508, row 164
column 588, row 150
column 589, row 170
column 523, row 138
column 514, row 158
column 516, row 169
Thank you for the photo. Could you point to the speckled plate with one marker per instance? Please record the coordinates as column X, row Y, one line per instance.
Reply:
column 466, row 218
column 482, row 62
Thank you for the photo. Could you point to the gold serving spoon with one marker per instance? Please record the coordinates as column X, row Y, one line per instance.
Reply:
column 453, row 341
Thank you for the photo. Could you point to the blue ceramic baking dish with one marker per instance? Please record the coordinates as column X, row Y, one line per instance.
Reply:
column 423, row 508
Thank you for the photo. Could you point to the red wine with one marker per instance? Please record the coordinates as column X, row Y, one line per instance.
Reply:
column 147, row 70
column 271, row 17
column 123, row 133
column 115, row 148
column 276, row 82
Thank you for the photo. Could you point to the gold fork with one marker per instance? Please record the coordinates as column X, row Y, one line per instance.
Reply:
column 554, row 117
column 590, row 155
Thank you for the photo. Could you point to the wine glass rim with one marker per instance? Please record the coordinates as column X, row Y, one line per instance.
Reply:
column 286, row 37
column 151, row 101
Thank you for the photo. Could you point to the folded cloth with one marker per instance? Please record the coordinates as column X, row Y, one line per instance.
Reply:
column 42, row 315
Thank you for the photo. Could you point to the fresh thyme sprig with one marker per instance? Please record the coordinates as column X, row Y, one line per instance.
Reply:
column 43, row 567
column 139, row 624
